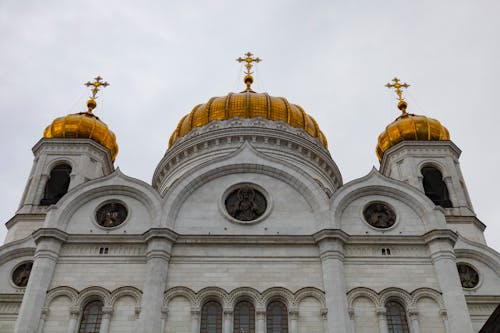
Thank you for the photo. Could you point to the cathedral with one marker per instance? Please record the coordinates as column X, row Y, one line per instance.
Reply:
column 246, row 227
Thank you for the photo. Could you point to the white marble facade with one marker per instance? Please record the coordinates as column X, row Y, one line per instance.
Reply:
column 312, row 249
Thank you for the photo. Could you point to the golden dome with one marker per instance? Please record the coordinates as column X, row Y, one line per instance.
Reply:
column 248, row 104
column 410, row 127
column 83, row 125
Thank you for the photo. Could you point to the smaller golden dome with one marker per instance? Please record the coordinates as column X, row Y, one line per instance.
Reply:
column 410, row 127
column 83, row 125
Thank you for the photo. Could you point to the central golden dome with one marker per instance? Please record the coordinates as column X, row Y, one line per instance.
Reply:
column 248, row 104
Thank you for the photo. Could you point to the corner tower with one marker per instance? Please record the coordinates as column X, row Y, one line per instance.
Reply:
column 74, row 149
column 417, row 150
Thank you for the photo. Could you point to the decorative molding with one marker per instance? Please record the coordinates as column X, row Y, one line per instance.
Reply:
column 408, row 300
column 228, row 300
column 79, row 299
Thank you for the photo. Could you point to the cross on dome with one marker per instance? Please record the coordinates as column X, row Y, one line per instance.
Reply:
column 249, row 59
column 91, row 103
column 402, row 105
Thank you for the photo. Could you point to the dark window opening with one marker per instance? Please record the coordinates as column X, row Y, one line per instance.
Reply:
column 277, row 318
column 396, row 318
column 244, row 318
column 211, row 318
column 435, row 188
column 57, row 184
column 91, row 318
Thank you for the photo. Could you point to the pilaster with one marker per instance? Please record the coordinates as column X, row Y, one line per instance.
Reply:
column 159, row 246
column 331, row 250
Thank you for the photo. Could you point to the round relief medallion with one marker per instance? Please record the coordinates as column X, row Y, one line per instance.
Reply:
column 245, row 203
column 21, row 274
column 379, row 215
column 111, row 214
column 469, row 277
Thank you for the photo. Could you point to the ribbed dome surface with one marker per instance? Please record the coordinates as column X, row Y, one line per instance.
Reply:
column 248, row 104
column 83, row 125
column 413, row 128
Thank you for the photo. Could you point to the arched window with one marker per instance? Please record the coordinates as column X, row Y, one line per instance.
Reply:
column 244, row 318
column 91, row 318
column 277, row 318
column 396, row 318
column 434, row 187
column 57, row 184
column 211, row 318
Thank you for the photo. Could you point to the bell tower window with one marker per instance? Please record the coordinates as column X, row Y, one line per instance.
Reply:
column 57, row 184
column 435, row 188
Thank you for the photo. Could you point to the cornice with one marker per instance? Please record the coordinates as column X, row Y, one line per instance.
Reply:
column 49, row 233
column 40, row 217
column 417, row 148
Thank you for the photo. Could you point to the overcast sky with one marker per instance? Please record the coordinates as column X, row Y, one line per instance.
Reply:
column 331, row 57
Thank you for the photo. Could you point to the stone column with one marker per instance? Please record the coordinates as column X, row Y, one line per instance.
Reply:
column 415, row 326
column 48, row 241
column 294, row 315
column 74, row 314
column 261, row 315
column 228, row 321
column 159, row 243
column 382, row 320
column 440, row 243
column 331, row 251
column 107, row 311
column 195, row 321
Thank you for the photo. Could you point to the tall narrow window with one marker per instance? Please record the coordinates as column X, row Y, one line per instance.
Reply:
column 277, row 318
column 91, row 318
column 435, row 188
column 244, row 318
column 396, row 318
column 57, row 184
column 211, row 318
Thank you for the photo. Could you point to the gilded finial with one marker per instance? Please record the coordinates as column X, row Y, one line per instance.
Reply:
column 402, row 105
column 248, row 75
column 91, row 103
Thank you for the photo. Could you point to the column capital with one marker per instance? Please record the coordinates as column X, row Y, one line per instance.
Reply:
column 164, row 312
column 107, row 311
column 49, row 233
column 351, row 312
column 261, row 314
column 381, row 311
column 293, row 313
column 413, row 313
column 163, row 233
column 324, row 313
column 74, row 311
column 45, row 312
column 195, row 312
column 441, row 235
column 336, row 234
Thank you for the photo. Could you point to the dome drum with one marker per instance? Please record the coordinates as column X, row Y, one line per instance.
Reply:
column 222, row 139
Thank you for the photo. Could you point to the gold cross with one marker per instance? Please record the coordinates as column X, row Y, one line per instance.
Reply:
column 249, row 60
column 96, row 84
column 402, row 105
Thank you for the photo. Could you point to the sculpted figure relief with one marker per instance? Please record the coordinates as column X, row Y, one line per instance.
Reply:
column 21, row 275
column 379, row 215
column 246, row 204
column 468, row 276
column 111, row 214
